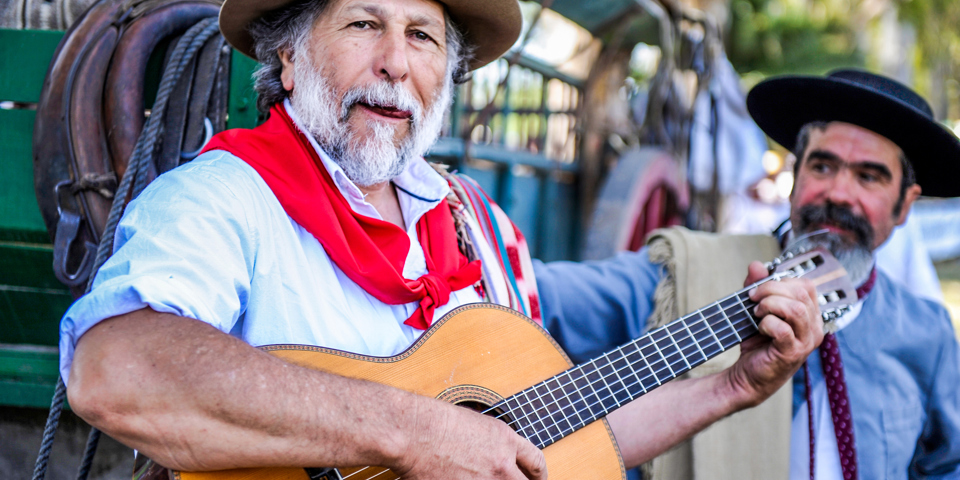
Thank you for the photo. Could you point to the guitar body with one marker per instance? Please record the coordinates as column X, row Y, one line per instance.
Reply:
column 477, row 354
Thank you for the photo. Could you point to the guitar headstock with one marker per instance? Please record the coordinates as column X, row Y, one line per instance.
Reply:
column 835, row 293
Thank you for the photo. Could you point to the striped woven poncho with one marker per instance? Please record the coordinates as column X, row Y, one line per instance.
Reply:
column 508, row 278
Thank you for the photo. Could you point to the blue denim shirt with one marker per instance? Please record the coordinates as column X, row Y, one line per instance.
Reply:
column 903, row 375
column 900, row 358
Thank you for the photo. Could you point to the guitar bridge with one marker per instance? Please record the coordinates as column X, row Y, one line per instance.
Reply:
column 323, row 474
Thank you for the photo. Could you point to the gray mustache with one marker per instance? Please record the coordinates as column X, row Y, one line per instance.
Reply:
column 840, row 216
column 383, row 94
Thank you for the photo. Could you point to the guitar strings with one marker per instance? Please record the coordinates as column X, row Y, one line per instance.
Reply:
column 681, row 367
column 740, row 325
column 709, row 322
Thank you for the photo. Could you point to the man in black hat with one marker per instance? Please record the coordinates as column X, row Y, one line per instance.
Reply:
column 883, row 391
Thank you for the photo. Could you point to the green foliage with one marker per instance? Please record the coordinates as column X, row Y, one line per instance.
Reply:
column 791, row 36
column 938, row 49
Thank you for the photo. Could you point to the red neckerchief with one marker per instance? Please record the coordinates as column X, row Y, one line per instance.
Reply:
column 370, row 252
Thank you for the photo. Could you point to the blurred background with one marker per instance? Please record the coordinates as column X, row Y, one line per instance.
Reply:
column 639, row 107
column 607, row 119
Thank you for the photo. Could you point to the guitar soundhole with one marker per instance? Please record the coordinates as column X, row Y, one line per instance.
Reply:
column 485, row 409
column 479, row 399
column 323, row 474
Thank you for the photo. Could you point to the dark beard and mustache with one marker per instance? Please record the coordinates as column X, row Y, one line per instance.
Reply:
column 856, row 256
column 378, row 158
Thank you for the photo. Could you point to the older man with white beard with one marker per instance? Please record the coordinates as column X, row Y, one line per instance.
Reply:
column 324, row 226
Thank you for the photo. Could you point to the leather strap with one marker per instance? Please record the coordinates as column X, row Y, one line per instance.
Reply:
column 91, row 111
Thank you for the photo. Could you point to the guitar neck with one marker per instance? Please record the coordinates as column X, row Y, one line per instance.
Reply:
column 561, row 405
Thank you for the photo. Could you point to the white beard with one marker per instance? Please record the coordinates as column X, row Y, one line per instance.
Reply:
column 379, row 158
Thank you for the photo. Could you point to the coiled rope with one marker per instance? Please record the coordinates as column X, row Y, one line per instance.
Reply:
column 135, row 178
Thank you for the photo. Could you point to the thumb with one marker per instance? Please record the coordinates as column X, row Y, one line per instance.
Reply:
column 755, row 271
column 531, row 462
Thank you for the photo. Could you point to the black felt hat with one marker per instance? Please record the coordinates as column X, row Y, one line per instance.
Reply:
column 783, row 105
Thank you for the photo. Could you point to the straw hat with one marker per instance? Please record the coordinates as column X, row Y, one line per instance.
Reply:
column 490, row 26
column 782, row 105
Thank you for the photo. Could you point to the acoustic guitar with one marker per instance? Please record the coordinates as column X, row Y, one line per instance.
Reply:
column 497, row 361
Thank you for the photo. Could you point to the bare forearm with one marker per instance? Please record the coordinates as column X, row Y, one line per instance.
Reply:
column 670, row 414
column 194, row 398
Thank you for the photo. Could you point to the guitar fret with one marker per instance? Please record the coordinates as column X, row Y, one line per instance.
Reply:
column 648, row 351
column 729, row 322
column 654, row 380
column 657, row 346
column 710, row 329
column 743, row 323
column 606, row 387
column 639, row 365
column 746, row 311
column 586, row 383
column 696, row 342
column 677, row 347
column 607, row 371
column 551, row 423
column 543, row 414
column 511, row 406
column 573, row 401
column 633, row 371
column 529, row 418
column 678, row 332
column 619, row 365
column 553, row 386
column 594, row 380
column 724, row 331
column 707, row 340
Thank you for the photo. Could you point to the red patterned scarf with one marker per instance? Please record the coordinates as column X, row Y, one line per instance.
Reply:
column 370, row 252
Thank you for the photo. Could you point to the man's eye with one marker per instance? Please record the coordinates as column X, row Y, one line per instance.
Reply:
column 820, row 167
column 421, row 36
column 361, row 24
column 869, row 177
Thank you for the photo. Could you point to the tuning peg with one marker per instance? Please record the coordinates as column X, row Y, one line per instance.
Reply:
column 833, row 314
column 773, row 264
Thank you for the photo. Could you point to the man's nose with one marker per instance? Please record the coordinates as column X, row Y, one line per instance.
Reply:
column 843, row 190
column 392, row 63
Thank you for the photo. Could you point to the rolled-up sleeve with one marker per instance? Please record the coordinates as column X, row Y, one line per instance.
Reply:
column 592, row 307
column 182, row 247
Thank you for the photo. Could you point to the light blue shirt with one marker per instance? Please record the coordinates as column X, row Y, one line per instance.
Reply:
column 210, row 241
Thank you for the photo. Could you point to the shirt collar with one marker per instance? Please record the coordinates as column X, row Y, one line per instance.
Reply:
column 418, row 178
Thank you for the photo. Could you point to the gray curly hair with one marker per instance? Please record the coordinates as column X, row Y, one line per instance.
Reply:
column 289, row 28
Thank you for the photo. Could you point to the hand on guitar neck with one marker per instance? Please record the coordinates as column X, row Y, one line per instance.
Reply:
column 791, row 328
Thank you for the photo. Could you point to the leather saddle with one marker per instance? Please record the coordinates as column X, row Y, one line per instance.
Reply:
column 92, row 111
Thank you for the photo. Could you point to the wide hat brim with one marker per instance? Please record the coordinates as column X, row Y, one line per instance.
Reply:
column 490, row 26
column 782, row 106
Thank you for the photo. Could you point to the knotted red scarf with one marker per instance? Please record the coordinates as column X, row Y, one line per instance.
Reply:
column 370, row 252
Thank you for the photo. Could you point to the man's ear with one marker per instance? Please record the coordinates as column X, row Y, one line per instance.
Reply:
column 913, row 191
column 796, row 171
column 286, row 73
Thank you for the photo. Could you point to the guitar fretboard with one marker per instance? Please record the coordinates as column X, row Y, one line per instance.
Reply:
column 561, row 405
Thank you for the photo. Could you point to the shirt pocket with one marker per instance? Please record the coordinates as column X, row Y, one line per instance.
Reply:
column 901, row 429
